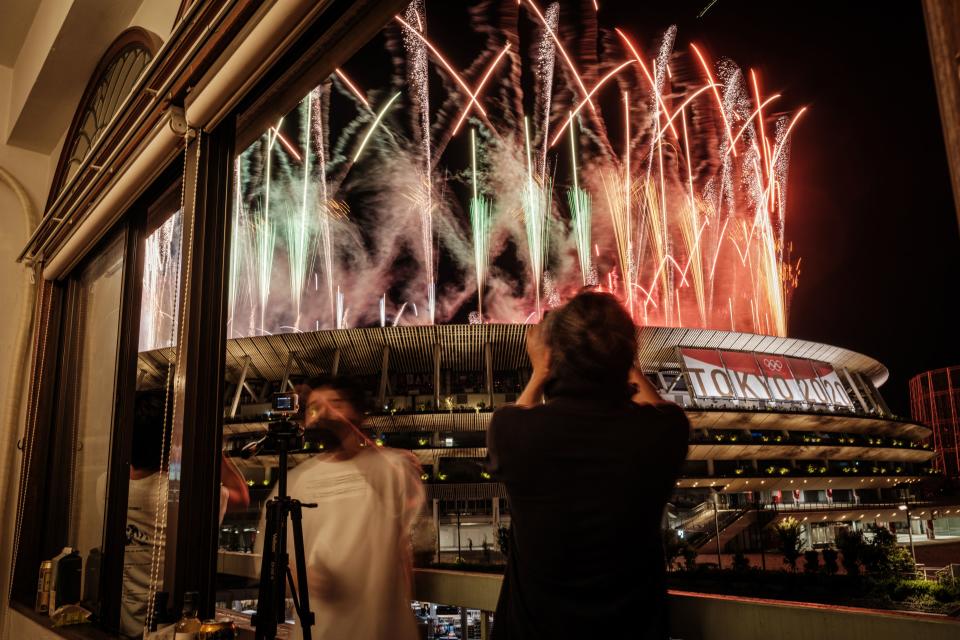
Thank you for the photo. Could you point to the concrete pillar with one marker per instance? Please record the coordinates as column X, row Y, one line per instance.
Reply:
column 436, row 528
column 437, row 350
column 488, row 371
column 384, row 375
column 335, row 366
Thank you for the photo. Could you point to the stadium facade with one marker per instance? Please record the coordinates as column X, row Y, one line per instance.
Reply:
column 779, row 425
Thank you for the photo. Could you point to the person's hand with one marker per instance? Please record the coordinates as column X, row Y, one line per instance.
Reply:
column 643, row 391
column 538, row 351
column 539, row 355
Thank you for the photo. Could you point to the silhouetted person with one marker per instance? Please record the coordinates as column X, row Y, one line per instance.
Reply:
column 588, row 474
column 357, row 540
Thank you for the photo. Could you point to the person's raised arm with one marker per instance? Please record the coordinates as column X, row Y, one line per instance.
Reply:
column 232, row 480
column 643, row 391
column 539, row 355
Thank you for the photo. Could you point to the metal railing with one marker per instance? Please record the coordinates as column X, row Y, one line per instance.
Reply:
column 838, row 506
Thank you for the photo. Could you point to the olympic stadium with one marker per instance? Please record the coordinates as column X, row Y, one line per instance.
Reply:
column 779, row 425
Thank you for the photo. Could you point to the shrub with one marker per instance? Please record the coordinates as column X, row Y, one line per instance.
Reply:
column 503, row 539
column 884, row 539
column 740, row 562
column 830, row 566
column 811, row 561
column 851, row 545
column 690, row 557
column 883, row 557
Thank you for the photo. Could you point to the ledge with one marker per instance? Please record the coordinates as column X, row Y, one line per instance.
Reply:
column 699, row 616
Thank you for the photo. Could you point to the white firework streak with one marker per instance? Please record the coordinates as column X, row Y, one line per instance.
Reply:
column 547, row 58
column 324, row 233
column 417, row 60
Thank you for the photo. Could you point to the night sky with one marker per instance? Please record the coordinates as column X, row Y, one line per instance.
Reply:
column 870, row 207
column 870, row 210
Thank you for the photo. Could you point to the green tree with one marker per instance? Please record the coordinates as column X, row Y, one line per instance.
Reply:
column 789, row 533
column 884, row 558
column 811, row 561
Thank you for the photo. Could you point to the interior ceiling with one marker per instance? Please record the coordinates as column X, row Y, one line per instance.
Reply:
column 17, row 17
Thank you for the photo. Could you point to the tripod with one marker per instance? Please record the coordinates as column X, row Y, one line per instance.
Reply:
column 275, row 565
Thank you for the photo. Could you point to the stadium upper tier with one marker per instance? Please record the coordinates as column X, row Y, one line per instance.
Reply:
column 413, row 349
column 766, row 411
column 726, row 379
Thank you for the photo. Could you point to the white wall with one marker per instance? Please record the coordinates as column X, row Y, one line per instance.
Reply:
column 31, row 157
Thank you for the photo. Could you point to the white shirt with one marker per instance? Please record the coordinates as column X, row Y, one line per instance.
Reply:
column 357, row 542
column 141, row 539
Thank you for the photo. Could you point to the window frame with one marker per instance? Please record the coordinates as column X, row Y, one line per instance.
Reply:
column 206, row 170
column 44, row 522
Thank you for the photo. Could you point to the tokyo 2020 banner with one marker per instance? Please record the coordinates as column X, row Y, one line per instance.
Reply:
column 762, row 376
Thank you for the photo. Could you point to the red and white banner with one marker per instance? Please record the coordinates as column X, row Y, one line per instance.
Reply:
column 780, row 379
column 811, row 389
column 707, row 374
column 745, row 375
column 836, row 392
column 760, row 376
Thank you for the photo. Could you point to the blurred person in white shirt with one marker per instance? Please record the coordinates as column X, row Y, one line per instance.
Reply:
column 357, row 540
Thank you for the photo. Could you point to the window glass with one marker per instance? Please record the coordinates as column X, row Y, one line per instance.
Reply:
column 150, row 502
column 96, row 298
column 161, row 285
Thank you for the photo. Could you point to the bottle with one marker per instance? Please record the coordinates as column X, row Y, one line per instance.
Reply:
column 44, row 585
column 188, row 628
column 161, row 615
column 91, row 580
column 67, row 574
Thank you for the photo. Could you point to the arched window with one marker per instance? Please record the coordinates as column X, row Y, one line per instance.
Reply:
column 111, row 82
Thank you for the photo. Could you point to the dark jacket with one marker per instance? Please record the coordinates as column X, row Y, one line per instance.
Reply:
column 587, row 478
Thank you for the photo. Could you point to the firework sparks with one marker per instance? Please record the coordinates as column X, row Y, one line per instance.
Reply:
column 373, row 126
column 703, row 163
column 536, row 205
column 480, row 224
column 580, row 209
column 596, row 88
column 362, row 98
column 483, row 81
column 563, row 52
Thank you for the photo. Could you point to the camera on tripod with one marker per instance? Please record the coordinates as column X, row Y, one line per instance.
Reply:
column 281, row 427
column 286, row 404
column 283, row 436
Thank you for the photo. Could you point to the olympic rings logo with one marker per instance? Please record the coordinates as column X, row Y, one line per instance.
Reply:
column 773, row 365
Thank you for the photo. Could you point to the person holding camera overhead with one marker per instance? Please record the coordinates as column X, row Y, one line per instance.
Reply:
column 357, row 540
column 588, row 474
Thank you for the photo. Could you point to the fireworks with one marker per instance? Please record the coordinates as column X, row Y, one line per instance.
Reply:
column 536, row 208
column 480, row 211
column 580, row 211
column 373, row 126
column 681, row 213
